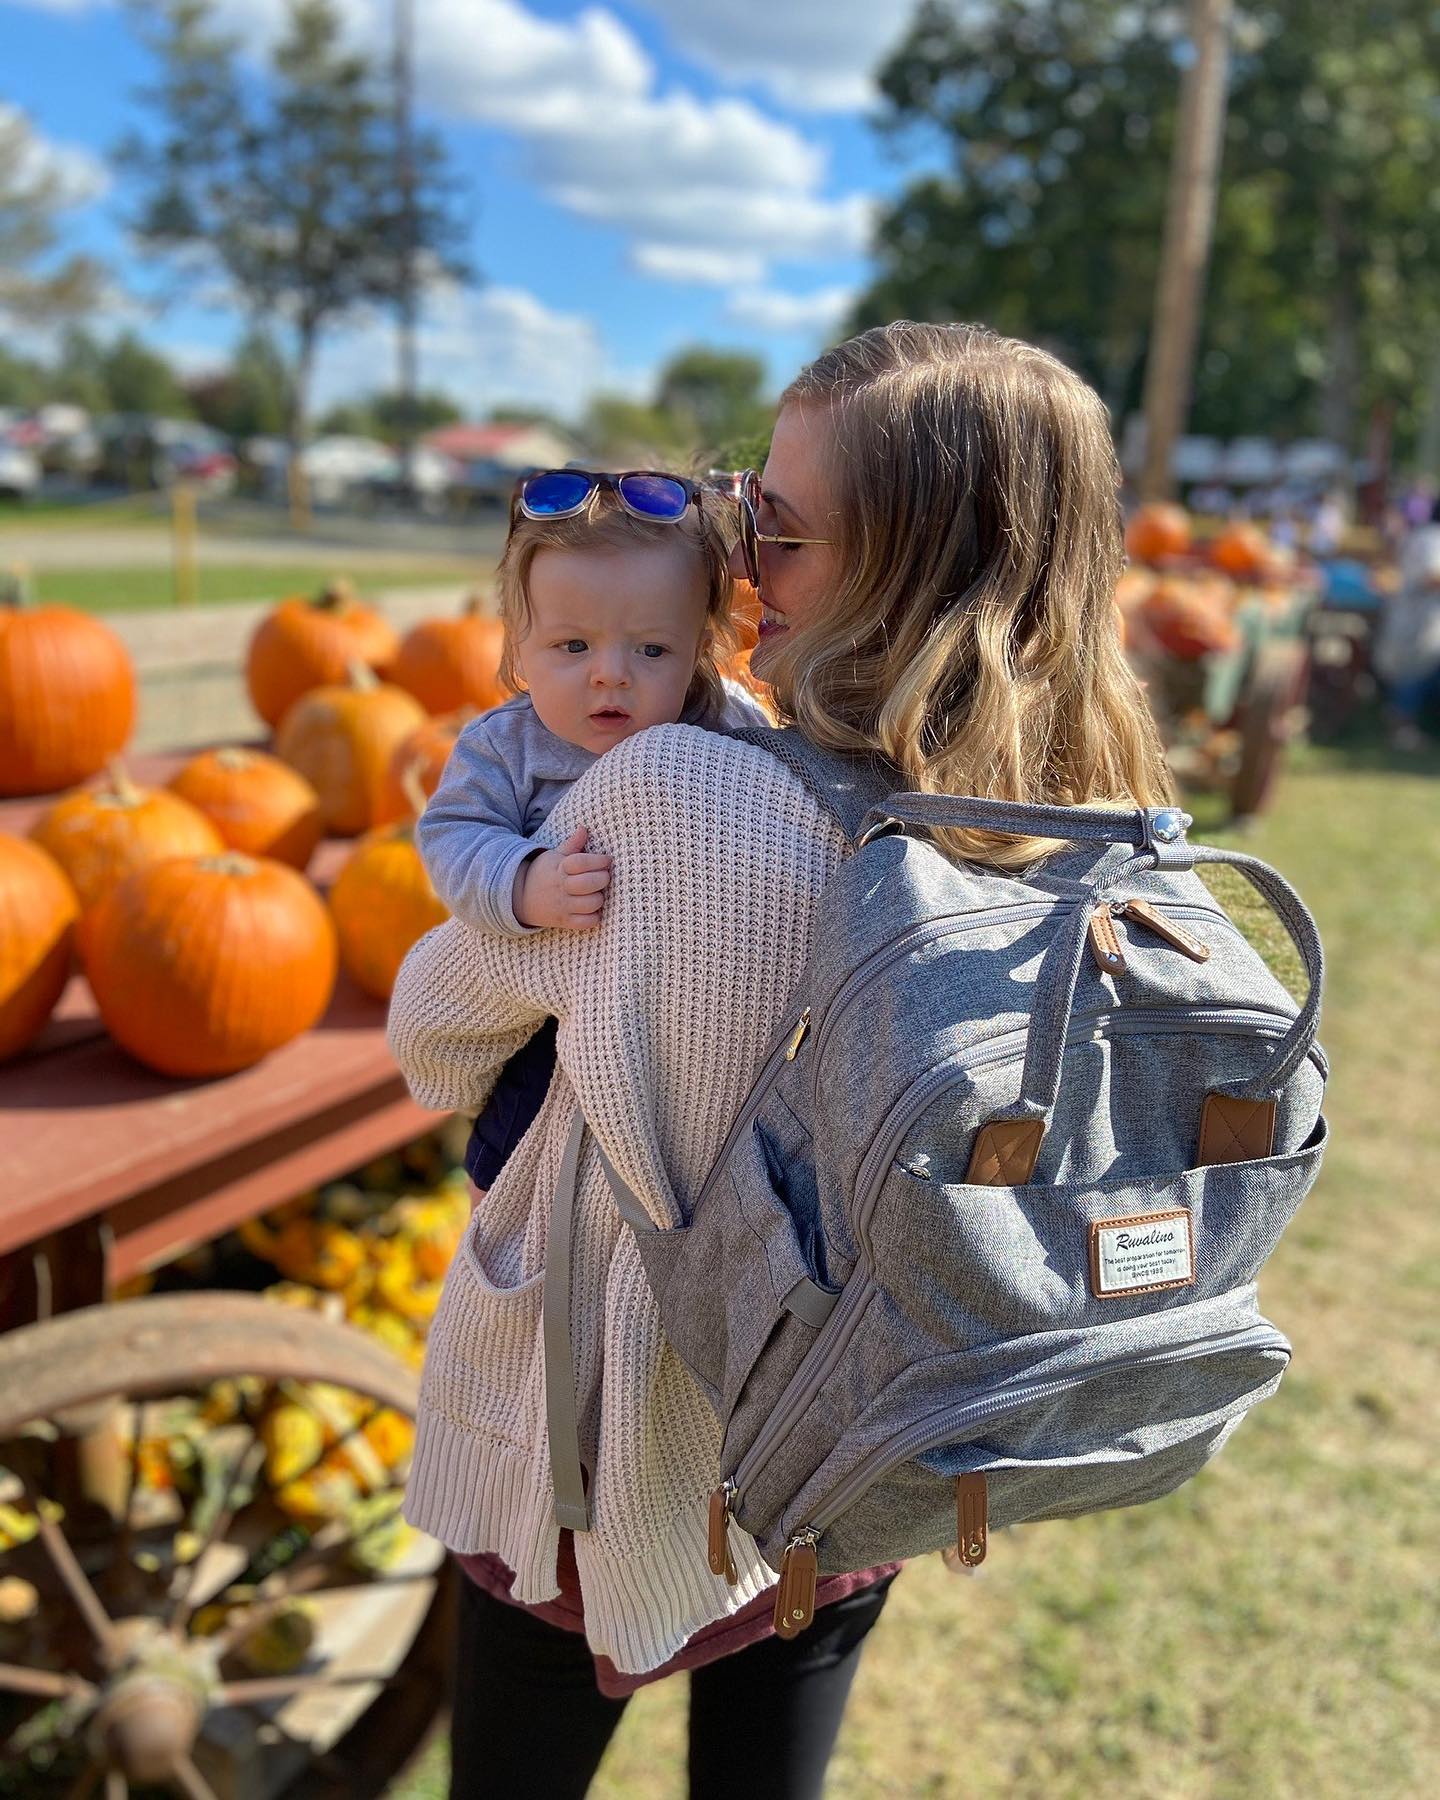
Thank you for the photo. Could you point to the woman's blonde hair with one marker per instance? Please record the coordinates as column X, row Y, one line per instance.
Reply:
column 604, row 523
column 972, row 636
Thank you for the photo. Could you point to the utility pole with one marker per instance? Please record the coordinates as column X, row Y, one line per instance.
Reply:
column 406, row 296
column 1185, row 250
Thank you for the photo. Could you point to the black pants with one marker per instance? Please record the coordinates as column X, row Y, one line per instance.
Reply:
column 530, row 1724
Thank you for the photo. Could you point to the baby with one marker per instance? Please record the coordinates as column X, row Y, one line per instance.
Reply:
column 615, row 596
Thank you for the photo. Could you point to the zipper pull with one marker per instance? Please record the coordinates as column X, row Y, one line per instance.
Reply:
column 793, row 1047
column 795, row 1595
column 720, row 1559
column 1104, row 943
column 1146, row 913
column 971, row 1519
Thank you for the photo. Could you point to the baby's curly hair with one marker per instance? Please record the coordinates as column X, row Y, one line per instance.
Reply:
column 604, row 523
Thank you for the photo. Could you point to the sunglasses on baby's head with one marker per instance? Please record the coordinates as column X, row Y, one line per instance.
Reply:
column 644, row 493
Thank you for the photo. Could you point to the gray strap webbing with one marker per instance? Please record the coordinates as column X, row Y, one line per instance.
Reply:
column 847, row 787
column 567, row 1477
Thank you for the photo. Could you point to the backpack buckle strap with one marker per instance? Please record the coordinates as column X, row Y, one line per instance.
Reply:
column 1165, row 845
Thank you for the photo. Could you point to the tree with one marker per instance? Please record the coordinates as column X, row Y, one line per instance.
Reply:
column 712, row 394
column 138, row 380
column 32, row 194
column 79, row 373
column 1057, row 122
column 23, row 382
column 292, row 193
column 249, row 399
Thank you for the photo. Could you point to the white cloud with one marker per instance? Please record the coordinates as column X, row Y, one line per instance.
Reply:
column 81, row 178
column 706, row 268
column 767, row 310
column 814, row 55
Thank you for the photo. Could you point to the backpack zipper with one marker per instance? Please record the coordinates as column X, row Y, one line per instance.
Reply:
column 841, row 1325
column 941, row 1427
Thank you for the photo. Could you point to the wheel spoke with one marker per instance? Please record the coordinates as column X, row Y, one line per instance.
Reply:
column 70, row 1572
column 42, row 1684
column 280, row 1687
column 191, row 1783
column 245, row 1466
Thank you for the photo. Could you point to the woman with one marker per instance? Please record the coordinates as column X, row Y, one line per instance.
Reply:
column 937, row 542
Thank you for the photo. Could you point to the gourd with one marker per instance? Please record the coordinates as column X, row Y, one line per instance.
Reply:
column 38, row 910
column 309, row 643
column 258, row 804
column 342, row 740
column 67, row 695
column 382, row 902
column 450, row 663
column 425, row 752
column 1157, row 530
column 99, row 835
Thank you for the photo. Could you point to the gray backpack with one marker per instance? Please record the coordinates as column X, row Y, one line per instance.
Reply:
column 981, row 1244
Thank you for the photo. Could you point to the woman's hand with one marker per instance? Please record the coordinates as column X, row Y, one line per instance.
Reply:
column 563, row 888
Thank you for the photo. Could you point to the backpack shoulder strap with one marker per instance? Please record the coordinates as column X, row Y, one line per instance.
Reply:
column 846, row 787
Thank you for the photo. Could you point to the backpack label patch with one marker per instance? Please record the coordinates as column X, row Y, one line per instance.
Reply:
column 1135, row 1255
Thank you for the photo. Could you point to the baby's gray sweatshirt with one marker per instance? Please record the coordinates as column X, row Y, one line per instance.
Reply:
column 505, row 774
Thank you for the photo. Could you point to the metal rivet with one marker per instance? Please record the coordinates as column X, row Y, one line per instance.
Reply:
column 1168, row 824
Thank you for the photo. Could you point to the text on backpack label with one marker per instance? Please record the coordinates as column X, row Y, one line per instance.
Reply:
column 1134, row 1255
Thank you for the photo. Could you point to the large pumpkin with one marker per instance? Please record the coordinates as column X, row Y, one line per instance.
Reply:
column 67, row 696
column 310, row 643
column 1188, row 620
column 257, row 968
column 258, row 804
column 1242, row 551
column 382, row 902
column 99, row 835
column 342, row 739
column 37, row 920
column 450, row 663
column 424, row 755
column 1157, row 530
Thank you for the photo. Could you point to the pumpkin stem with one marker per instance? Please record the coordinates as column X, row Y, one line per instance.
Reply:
column 233, row 758
column 230, row 863
column 362, row 677
column 410, row 785
column 121, row 786
column 335, row 594
column 474, row 604
column 15, row 586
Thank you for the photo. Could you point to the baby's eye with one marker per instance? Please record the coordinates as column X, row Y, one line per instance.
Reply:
column 652, row 650
column 576, row 646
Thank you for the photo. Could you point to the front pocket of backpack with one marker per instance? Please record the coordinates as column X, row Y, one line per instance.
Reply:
column 735, row 1282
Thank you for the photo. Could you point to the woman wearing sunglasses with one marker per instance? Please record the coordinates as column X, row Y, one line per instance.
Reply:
column 935, row 539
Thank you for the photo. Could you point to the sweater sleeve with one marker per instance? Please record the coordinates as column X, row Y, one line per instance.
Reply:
column 472, row 833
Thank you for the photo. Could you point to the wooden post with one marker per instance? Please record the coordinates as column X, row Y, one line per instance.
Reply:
column 1185, row 251
column 182, row 503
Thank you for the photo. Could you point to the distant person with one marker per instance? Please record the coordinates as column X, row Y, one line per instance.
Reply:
column 1327, row 527
column 1407, row 645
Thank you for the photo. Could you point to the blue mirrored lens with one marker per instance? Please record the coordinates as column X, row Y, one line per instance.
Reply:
column 559, row 491
column 656, row 496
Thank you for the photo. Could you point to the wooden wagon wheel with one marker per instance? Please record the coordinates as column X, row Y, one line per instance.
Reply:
column 1266, row 719
column 143, row 1607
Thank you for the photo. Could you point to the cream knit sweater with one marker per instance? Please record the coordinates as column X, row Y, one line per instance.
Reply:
column 664, row 1014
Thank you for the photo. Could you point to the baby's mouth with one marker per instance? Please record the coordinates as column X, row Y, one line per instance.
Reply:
column 610, row 715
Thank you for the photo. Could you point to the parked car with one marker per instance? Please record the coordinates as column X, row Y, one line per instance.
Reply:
column 19, row 472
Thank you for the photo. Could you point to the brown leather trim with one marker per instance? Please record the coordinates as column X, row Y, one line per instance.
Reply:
column 1233, row 1130
column 1005, row 1152
column 971, row 1519
column 1105, row 943
column 1146, row 1287
column 1169, row 930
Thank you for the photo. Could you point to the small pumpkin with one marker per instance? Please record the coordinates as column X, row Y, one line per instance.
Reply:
column 1242, row 551
column 38, row 910
column 258, row 966
column 425, row 751
column 382, row 902
column 342, row 740
column 310, row 643
column 1157, row 530
column 450, row 663
column 67, row 695
column 99, row 835
column 258, row 804
column 1187, row 620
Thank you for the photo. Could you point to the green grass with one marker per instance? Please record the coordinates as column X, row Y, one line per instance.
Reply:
column 1269, row 1632
column 125, row 590
column 130, row 509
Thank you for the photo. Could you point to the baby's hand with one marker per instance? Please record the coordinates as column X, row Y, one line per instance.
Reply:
column 564, row 887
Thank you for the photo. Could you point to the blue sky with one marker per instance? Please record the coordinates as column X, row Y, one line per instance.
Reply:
column 642, row 174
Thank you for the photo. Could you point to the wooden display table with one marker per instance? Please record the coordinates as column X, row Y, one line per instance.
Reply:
column 107, row 1168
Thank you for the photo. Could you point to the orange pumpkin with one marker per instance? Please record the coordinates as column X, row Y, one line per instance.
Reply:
column 258, row 966
column 305, row 644
column 257, row 803
column 382, row 902
column 1158, row 529
column 745, row 618
column 99, row 835
column 425, row 751
column 67, row 696
column 342, row 740
column 1187, row 620
column 450, row 663
column 37, row 920
column 1242, row 551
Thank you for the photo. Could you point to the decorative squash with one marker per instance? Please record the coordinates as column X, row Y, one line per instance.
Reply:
column 382, row 902
column 305, row 644
column 342, row 740
column 99, row 835
column 425, row 751
column 1157, row 530
column 1242, row 551
column 37, row 920
column 745, row 618
column 450, row 663
column 258, row 966
column 1187, row 620
column 67, row 695
column 257, row 803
